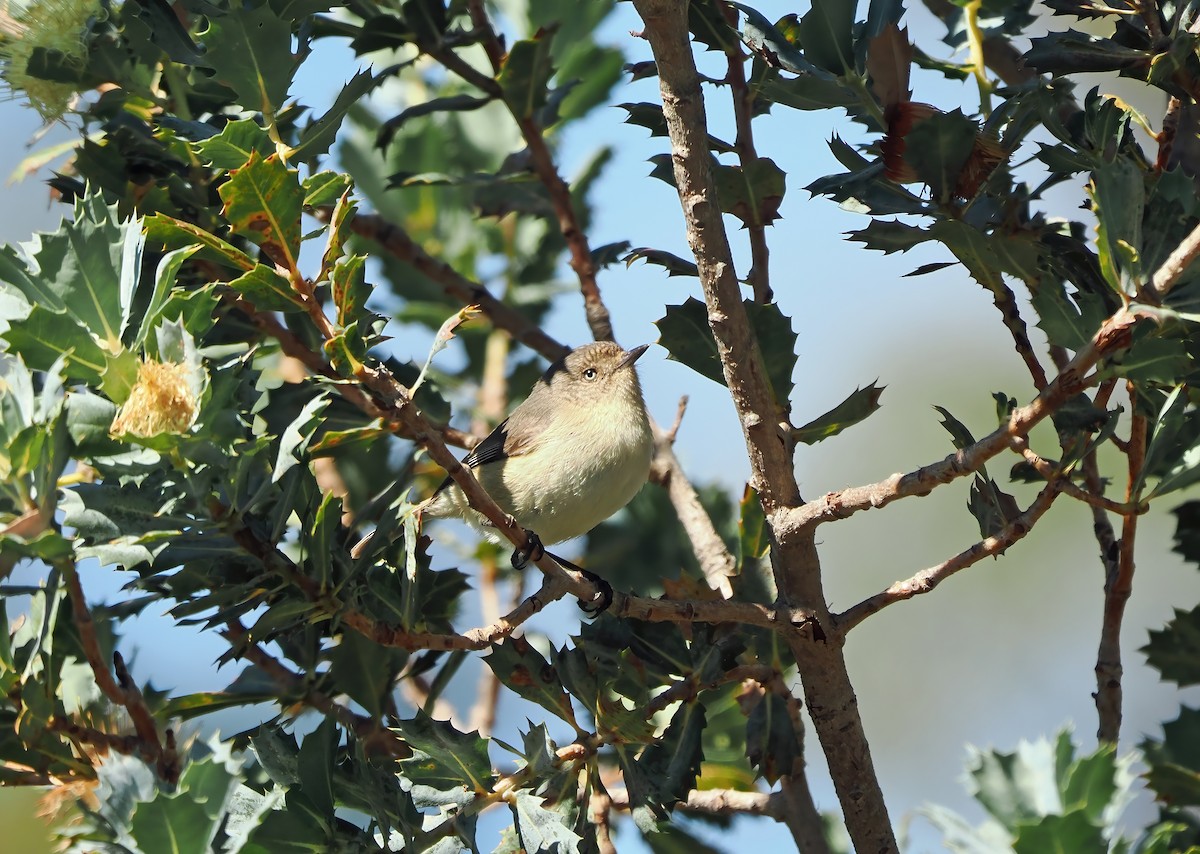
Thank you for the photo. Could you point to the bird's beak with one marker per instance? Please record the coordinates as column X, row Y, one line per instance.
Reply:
column 631, row 356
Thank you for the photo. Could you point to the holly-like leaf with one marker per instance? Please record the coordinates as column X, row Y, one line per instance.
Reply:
column 542, row 830
column 317, row 137
column 250, row 51
column 827, row 33
column 450, row 757
column 855, row 408
column 771, row 743
column 685, row 333
column 665, row 771
column 754, row 193
column 263, row 200
column 1119, row 195
column 1175, row 650
column 525, row 75
column 673, row 264
column 1072, row 51
column 937, row 149
column 448, row 104
column 1174, row 761
column 754, row 539
column 1071, row 833
column 523, row 669
column 232, row 147
column 268, row 290
column 889, row 63
column 169, row 233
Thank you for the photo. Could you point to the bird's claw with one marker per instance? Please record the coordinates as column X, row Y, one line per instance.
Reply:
column 531, row 551
column 602, row 601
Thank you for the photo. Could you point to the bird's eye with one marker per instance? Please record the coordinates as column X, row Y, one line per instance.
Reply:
column 590, row 374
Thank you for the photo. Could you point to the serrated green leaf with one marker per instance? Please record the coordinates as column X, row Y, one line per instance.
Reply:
column 263, row 200
column 937, row 149
column 170, row 233
column 363, row 670
column 453, row 757
column 315, row 765
column 325, row 188
column 1071, row 833
column 771, row 743
column 267, row 290
column 523, row 670
column 44, row 336
column 294, row 440
column 172, row 825
column 232, row 147
column 753, row 533
column 1175, row 650
column 1119, row 196
column 525, row 75
column 317, row 138
column 250, row 51
column 685, row 333
column 673, row 264
column 827, row 33
column 542, row 830
column 861, row 403
column 751, row 192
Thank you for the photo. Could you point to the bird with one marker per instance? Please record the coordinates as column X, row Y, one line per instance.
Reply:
column 569, row 456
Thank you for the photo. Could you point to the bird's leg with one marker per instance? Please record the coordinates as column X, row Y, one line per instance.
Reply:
column 531, row 551
column 603, row 601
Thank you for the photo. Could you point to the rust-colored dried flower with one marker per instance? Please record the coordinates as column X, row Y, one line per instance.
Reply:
column 161, row 401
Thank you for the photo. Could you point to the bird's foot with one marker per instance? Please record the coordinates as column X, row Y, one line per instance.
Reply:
column 604, row 592
column 531, row 551
column 604, row 595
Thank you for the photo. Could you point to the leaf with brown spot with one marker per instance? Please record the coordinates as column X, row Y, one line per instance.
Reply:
column 263, row 200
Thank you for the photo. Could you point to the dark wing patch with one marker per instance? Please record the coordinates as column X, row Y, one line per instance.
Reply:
column 490, row 449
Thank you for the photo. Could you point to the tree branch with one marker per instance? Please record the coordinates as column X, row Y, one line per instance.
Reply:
column 1118, row 586
column 717, row 564
column 927, row 579
column 396, row 241
column 794, row 558
column 372, row 731
column 120, row 689
column 743, row 112
column 1114, row 334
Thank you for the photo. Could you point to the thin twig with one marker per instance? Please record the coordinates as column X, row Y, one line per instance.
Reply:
column 724, row 802
column 1051, row 473
column 582, row 262
column 1113, row 335
column 600, row 814
column 717, row 564
column 119, row 689
column 1006, row 302
column 397, row 242
column 372, row 731
column 1117, row 588
column 743, row 112
column 927, row 579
